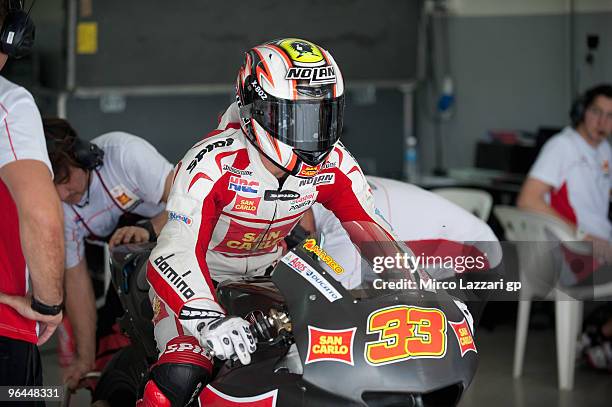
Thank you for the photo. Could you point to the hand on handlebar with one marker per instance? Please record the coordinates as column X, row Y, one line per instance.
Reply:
column 129, row 234
column 228, row 337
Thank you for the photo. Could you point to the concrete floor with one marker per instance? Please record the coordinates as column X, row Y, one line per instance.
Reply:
column 493, row 384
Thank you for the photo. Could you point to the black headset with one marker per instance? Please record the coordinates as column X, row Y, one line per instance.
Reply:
column 17, row 32
column 577, row 111
column 87, row 155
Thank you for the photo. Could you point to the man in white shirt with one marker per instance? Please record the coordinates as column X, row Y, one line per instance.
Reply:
column 571, row 176
column 114, row 175
column 31, row 244
column 571, row 180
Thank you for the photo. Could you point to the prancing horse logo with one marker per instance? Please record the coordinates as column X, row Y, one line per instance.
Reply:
column 303, row 48
column 302, row 51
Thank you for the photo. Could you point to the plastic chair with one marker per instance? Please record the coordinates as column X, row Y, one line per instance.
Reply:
column 539, row 269
column 475, row 201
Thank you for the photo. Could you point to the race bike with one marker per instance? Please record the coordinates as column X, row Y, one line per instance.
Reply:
column 388, row 342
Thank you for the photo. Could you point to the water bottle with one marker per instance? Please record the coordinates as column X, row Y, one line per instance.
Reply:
column 411, row 163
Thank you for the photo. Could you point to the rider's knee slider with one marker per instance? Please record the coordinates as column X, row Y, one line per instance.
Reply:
column 179, row 383
column 182, row 370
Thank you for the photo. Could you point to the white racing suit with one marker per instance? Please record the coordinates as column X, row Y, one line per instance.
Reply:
column 227, row 215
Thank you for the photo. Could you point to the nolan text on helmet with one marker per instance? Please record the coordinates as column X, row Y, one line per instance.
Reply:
column 317, row 76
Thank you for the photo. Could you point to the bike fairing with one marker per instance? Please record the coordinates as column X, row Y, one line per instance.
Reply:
column 438, row 329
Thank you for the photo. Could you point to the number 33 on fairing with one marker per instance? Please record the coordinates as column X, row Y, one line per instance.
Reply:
column 405, row 333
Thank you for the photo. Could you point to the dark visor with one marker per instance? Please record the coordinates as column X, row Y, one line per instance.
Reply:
column 307, row 125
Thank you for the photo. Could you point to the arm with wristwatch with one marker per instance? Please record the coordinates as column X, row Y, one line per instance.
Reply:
column 42, row 243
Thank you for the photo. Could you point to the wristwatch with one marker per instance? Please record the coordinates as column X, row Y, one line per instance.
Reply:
column 45, row 309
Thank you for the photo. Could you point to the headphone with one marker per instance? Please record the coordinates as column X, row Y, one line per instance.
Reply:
column 17, row 32
column 88, row 155
column 577, row 111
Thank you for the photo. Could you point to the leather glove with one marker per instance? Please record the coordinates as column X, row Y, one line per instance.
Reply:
column 229, row 337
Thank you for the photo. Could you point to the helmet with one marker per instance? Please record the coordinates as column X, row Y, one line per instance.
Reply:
column 291, row 98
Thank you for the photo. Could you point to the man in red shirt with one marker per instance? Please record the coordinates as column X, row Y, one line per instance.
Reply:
column 31, row 236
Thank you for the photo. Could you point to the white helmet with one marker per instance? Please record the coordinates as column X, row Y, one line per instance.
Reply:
column 291, row 98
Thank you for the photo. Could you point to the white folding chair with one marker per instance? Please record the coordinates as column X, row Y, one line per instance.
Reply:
column 475, row 201
column 539, row 268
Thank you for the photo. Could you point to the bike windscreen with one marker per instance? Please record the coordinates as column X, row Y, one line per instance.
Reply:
column 367, row 260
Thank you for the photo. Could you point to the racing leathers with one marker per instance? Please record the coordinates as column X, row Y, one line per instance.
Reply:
column 227, row 215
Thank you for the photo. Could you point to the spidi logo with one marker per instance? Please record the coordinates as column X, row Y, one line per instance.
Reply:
column 207, row 149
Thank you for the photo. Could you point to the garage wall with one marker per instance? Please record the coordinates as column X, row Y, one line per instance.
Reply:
column 512, row 67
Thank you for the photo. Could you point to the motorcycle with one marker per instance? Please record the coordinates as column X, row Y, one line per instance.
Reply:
column 392, row 341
